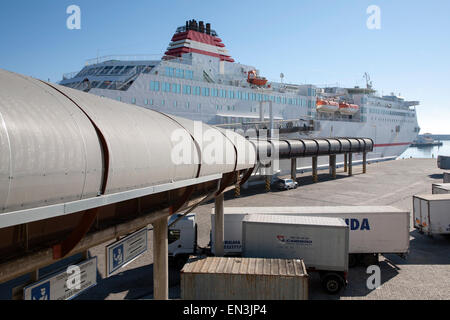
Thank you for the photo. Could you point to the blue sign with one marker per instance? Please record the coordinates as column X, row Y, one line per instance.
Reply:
column 41, row 292
column 125, row 250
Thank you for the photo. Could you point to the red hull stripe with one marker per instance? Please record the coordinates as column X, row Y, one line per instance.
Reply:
column 392, row 144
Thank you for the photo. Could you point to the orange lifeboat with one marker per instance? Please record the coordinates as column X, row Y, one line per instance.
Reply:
column 348, row 108
column 328, row 106
column 254, row 79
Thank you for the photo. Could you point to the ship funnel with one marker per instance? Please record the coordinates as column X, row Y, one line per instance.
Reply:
column 208, row 28
column 201, row 27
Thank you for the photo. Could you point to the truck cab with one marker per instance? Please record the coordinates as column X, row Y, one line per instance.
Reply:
column 182, row 238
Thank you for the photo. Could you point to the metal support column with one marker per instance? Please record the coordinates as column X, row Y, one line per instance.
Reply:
column 218, row 226
column 350, row 164
column 314, row 169
column 365, row 162
column 160, row 260
column 333, row 166
column 268, row 178
column 345, row 162
column 294, row 169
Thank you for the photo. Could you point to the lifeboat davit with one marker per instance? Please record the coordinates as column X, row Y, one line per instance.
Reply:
column 254, row 79
column 328, row 106
column 348, row 108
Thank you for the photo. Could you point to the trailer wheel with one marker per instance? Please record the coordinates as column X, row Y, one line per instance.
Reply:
column 332, row 283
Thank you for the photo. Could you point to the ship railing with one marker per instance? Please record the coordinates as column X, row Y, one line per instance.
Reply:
column 136, row 57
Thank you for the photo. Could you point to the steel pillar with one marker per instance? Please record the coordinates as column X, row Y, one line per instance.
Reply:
column 294, row 169
column 333, row 166
column 350, row 164
column 218, row 226
column 365, row 162
column 160, row 260
column 314, row 169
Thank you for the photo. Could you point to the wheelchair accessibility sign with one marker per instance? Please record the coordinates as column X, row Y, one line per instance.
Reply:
column 124, row 251
column 66, row 284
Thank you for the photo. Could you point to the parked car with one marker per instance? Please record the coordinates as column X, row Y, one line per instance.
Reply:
column 285, row 184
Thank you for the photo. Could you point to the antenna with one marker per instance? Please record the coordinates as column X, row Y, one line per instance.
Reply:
column 368, row 82
column 281, row 77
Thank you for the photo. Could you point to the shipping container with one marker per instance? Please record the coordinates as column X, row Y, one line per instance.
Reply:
column 443, row 162
column 440, row 188
column 321, row 242
column 221, row 278
column 446, row 177
column 432, row 213
column 373, row 229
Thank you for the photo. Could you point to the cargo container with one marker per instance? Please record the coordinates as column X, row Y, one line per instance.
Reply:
column 215, row 278
column 443, row 162
column 440, row 188
column 321, row 242
column 373, row 229
column 446, row 177
column 432, row 213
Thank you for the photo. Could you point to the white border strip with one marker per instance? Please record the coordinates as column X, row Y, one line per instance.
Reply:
column 35, row 214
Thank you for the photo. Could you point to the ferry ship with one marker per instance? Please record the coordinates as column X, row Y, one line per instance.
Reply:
column 198, row 79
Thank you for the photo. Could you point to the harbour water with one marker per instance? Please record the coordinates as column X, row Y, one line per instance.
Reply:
column 427, row 152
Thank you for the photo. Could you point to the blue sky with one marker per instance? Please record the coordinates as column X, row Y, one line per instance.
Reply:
column 319, row 42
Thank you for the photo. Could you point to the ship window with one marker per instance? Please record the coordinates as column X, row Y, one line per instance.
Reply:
column 231, row 94
column 284, row 100
column 176, row 88
column 188, row 74
column 199, row 106
column 170, row 72
column 187, row 89
column 116, row 70
column 133, row 101
column 127, row 70
column 214, row 92
column 166, row 87
column 180, row 73
column 147, row 69
column 119, row 98
column 92, row 71
column 151, row 101
column 105, row 84
column 197, row 91
column 205, row 92
column 175, row 104
column 163, row 102
column 94, row 84
column 278, row 99
column 187, row 105
column 106, row 70
column 154, row 85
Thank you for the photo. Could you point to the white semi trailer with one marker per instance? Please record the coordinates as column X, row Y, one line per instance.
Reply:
column 432, row 213
column 321, row 242
column 373, row 229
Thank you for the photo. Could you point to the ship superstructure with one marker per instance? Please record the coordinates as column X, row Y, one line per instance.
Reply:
column 198, row 79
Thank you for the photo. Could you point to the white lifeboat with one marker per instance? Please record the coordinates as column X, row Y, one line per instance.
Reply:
column 348, row 108
column 328, row 106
